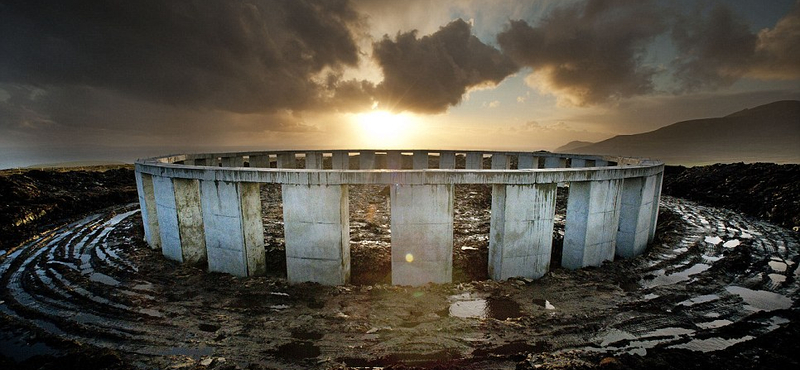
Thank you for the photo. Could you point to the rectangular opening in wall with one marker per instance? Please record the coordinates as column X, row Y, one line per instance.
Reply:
column 559, row 222
column 472, row 208
column 274, row 242
column 370, row 235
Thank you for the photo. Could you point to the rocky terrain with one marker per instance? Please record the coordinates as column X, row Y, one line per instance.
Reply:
column 718, row 288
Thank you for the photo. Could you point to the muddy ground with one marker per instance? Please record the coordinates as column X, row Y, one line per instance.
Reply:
column 716, row 289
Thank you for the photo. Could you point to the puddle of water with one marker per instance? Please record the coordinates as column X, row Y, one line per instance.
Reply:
column 663, row 279
column 700, row 299
column 733, row 243
column 651, row 296
column 195, row 353
column 104, row 279
column 465, row 306
column 711, row 344
column 714, row 324
column 777, row 278
column 760, row 300
column 777, row 265
column 713, row 240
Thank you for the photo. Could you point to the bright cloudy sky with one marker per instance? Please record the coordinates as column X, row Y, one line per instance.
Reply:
column 126, row 79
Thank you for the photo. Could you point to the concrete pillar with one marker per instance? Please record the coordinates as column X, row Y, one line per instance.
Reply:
column 501, row 161
column 341, row 160
column 167, row 218
column 234, row 231
column 287, row 160
column 422, row 234
column 636, row 211
column 189, row 162
column 147, row 204
column 447, row 160
column 366, row 160
column 592, row 222
column 190, row 221
column 600, row 163
column 394, row 160
column 656, row 201
column 577, row 163
column 474, row 161
column 317, row 232
column 261, row 161
column 527, row 161
column 555, row 162
column 236, row 161
column 314, row 161
column 420, row 160
column 521, row 230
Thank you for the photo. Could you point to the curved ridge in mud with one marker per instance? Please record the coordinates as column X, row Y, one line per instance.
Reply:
column 717, row 279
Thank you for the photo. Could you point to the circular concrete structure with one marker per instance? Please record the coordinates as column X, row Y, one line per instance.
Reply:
column 206, row 208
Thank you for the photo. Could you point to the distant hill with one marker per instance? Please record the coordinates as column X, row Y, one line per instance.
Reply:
column 572, row 145
column 767, row 133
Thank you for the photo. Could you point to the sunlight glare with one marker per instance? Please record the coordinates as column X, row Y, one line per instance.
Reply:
column 384, row 128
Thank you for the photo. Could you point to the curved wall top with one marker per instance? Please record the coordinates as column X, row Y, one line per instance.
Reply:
column 205, row 208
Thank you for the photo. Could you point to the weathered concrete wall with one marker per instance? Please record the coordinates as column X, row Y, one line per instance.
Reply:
column 147, row 203
column 474, row 161
column 422, row 234
column 317, row 232
column 190, row 221
column 233, row 229
column 195, row 211
column 592, row 222
column 521, row 230
column 636, row 209
column 447, row 160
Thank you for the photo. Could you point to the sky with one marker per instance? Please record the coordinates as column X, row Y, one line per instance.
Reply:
column 119, row 80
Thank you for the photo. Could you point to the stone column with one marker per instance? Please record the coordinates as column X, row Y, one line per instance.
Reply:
column 234, row 231
column 314, row 160
column 658, row 178
column 190, row 221
column 317, row 232
column 447, row 160
column 555, row 162
column 287, row 160
column 341, row 160
column 501, row 161
column 527, row 161
column 592, row 223
column 236, row 161
column 521, row 230
column 261, row 161
column 147, row 204
column 474, row 161
column 366, row 160
column 394, row 160
column 420, row 160
column 600, row 163
column 167, row 213
column 635, row 214
column 422, row 234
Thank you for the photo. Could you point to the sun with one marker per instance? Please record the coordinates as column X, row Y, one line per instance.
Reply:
column 384, row 128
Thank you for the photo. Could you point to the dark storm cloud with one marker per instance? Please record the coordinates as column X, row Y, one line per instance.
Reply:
column 590, row 52
column 714, row 50
column 431, row 73
column 717, row 48
column 240, row 56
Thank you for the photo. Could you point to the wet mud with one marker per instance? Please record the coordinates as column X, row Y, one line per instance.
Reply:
column 715, row 289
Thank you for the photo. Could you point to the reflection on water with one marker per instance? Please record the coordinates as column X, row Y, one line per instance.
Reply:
column 467, row 306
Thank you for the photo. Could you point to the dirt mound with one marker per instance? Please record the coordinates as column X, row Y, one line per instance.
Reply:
column 35, row 198
column 768, row 191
